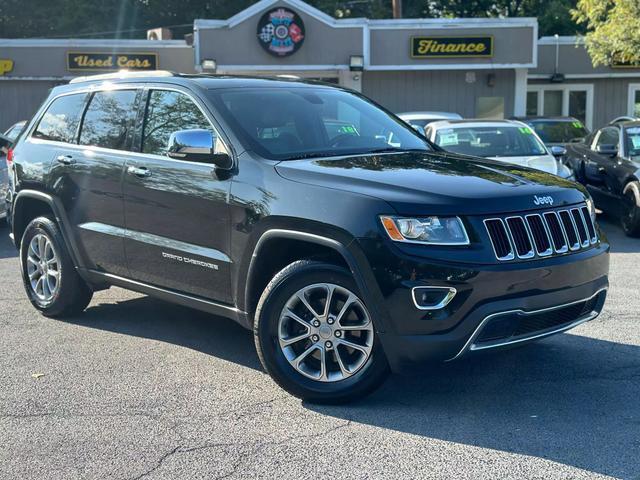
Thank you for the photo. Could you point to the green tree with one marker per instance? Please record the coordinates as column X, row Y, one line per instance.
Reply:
column 613, row 30
column 131, row 18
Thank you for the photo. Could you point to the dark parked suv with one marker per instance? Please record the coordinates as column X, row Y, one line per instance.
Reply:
column 347, row 242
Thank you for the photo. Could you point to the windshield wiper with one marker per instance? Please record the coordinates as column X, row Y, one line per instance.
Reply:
column 313, row 155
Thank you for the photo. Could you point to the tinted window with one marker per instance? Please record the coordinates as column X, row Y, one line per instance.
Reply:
column 560, row 131
column 299, row 122
column 169, row 112
column 608, row 136
column 109, row 119
column 60, row 121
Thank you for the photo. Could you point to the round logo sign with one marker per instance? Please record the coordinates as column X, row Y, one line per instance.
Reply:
column 281, row 32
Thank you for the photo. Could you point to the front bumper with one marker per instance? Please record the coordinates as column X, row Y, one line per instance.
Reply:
column 531, row 300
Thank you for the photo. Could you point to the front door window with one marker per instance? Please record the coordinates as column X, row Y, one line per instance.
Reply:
column 565, row 100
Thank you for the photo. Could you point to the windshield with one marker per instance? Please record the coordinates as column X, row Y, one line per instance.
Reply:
column 632, row 138
column 559, row 131
column 299, row 122
column 498, row 141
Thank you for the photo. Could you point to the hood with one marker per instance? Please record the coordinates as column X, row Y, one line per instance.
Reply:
column 546, row 163
column 421, row 183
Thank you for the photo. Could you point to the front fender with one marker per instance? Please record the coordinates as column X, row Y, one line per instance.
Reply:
column 20, row 220
column 347, row 248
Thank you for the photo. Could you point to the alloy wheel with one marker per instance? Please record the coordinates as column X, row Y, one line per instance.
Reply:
column 43, row 268
column 325, row 332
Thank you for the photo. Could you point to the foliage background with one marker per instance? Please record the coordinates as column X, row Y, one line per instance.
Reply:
column 131, row 18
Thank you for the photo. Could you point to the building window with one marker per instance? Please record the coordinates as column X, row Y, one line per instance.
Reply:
column 532, row 103
column 634, row 100
column 490, row 107
column 575, row 100
column 578, row 104
column 553, row 103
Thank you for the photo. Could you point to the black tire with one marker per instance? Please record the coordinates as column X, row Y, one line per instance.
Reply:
column 72, row 294
column 284, row 285
column 631, row 214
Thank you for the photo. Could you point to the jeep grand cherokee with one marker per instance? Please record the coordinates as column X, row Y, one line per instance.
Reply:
column 346, row 241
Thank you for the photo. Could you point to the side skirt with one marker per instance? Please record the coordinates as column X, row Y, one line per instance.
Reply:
column 171, row 296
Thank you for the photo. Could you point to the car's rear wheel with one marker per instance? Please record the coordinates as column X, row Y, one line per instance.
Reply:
column 315, row 335
column 631, row 214
column 50, row 278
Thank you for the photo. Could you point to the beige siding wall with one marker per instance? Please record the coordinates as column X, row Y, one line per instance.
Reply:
column 437, row 90
column 20, row 99
column 238, row 45
column 510, row 46
column 610, row 96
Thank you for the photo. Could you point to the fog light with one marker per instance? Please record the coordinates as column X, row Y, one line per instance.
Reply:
column 432, row 298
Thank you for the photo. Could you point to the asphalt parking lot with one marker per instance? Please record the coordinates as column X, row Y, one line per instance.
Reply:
column 137, row 388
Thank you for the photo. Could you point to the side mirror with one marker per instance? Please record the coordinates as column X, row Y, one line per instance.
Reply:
column 558, row 151
column 607, row 149
column 197, row 146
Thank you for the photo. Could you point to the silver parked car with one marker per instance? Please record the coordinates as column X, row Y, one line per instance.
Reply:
column 419, row 120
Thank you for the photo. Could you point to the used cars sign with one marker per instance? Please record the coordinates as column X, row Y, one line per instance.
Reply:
column 6, row 65
column 111, row 61
column 447, row 47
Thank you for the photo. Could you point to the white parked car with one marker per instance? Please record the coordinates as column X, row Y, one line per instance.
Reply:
column 504, row 140
column 419, row 120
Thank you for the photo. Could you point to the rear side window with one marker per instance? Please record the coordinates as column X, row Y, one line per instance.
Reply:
column 60, row 121
column 109, row 119
column 168, row 112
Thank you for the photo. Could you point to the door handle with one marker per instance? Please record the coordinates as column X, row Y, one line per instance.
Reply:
column 139, row 171
column 65, row 159
column 602, row 171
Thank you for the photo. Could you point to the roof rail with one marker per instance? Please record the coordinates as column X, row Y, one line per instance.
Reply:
column 123, row 74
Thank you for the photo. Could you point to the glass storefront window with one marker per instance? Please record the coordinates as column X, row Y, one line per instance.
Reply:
column 532, row 103
column 553, row 103
column 636, row 104
column 578, row 105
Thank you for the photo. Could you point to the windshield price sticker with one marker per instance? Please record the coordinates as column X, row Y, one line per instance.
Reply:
column 526, row 130
column 448, row 139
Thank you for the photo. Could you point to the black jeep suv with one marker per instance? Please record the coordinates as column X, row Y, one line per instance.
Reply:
column 347, row 242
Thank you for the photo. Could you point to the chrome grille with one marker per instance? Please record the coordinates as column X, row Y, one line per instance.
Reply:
column 541, row 234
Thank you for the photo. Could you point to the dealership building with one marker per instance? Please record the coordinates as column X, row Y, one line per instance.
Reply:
column 479, row 68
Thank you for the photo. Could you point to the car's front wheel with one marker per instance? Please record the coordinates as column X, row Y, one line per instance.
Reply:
column 49, row 275
column 315, row 335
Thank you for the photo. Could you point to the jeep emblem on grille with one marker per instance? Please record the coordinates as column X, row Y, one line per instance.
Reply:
column 547, row 200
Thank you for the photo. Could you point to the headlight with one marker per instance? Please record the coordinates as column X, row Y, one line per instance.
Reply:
column 426, row 230
column 591, row 207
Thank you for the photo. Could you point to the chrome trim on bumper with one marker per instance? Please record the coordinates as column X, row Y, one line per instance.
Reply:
column 443, row 303
column 470, row 346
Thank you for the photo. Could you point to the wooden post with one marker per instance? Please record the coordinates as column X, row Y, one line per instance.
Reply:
column 397, row 8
